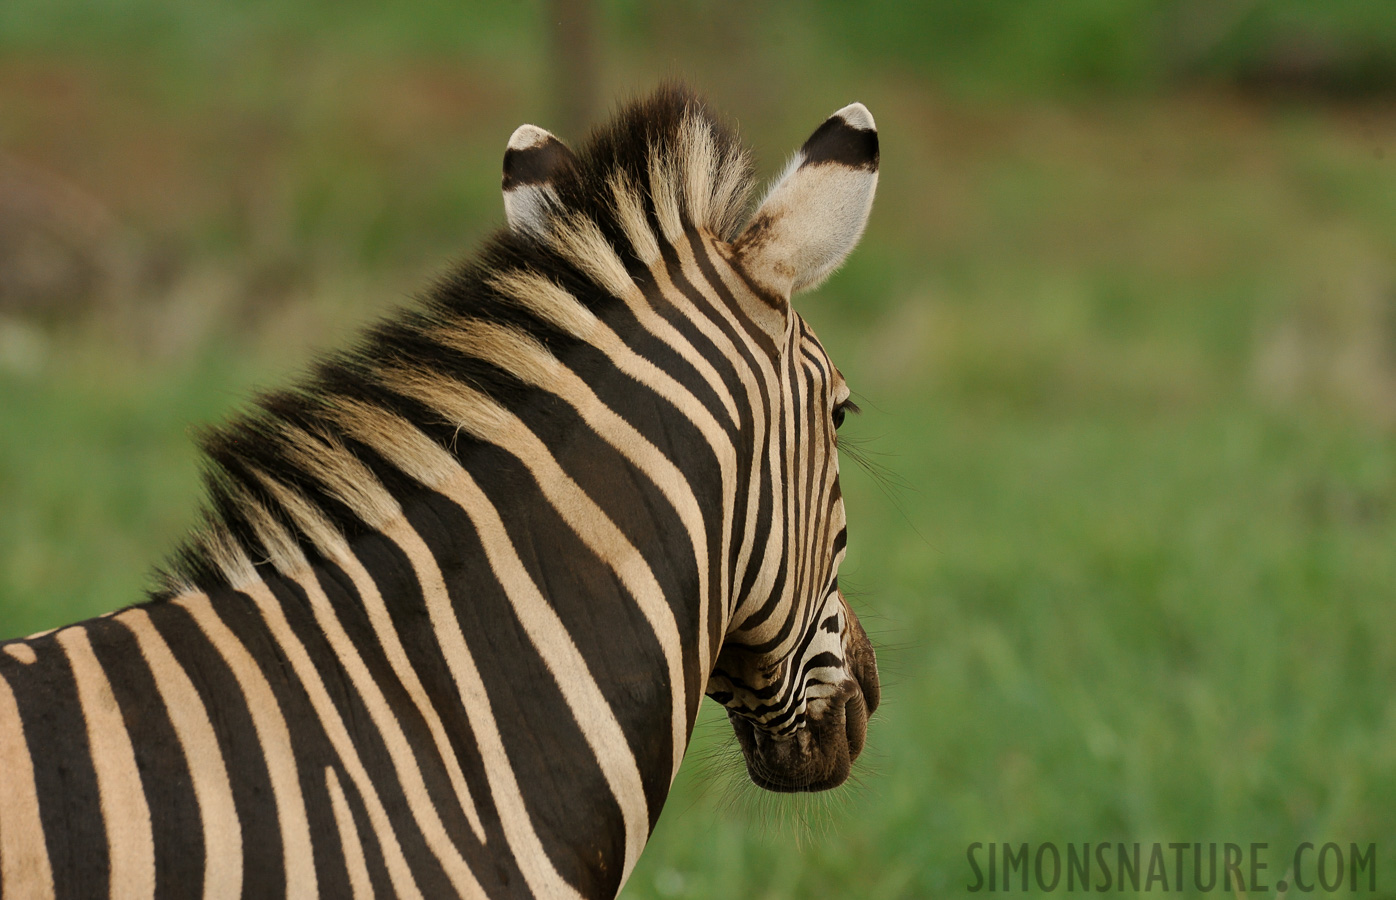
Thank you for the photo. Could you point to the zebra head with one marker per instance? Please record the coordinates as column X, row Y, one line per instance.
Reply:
column 796, row 670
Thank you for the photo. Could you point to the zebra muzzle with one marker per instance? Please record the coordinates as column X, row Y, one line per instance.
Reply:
column 820, row 754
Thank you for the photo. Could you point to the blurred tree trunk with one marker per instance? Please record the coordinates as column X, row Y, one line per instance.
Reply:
column 572, row 44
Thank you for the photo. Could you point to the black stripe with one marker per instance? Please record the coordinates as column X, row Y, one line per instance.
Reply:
column 243, row 754
column 558, row 778
column 702, row 254
column 378, row 877
column 176, row 827
column 368, row 741
column 607, row 625
column 69, row 804
column 684, row 325
column 312, row 748
column 392, row 572
column 788, row 434
column 792, row 680
column 742, row 362
column 413, row 626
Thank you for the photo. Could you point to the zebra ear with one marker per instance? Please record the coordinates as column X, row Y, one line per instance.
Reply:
column 532, row 162
column 814, row 214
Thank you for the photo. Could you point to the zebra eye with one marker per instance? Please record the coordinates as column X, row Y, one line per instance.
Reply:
column 842, row 410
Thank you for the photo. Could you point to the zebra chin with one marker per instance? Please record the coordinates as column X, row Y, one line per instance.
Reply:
column 819, row 755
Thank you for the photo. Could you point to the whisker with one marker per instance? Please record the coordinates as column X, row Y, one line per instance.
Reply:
column 888, row 482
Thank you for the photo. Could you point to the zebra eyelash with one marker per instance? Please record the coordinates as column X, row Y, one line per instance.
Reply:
column 847, row 406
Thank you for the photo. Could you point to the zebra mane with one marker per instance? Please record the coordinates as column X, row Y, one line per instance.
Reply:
column 664, row 159
column 308, row 468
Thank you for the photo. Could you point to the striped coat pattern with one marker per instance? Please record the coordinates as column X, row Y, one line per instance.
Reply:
column 455, row 597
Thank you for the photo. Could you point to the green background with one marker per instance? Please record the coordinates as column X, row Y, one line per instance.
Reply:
column 1123, row 326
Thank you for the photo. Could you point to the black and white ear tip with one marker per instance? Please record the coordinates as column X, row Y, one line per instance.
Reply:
column 856, row 115
column 848, row 138
column 533, row 159
column 527, row 136
column 533, row 156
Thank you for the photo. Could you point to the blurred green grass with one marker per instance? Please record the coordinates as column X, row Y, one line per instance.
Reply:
column 1127, row 346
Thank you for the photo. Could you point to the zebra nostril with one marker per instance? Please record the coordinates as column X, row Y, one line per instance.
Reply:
column 870, row 688
column 856, row 725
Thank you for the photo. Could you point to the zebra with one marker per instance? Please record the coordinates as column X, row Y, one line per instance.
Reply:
column 454, row 597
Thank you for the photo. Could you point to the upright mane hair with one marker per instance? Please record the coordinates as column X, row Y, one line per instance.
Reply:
column 663, row 165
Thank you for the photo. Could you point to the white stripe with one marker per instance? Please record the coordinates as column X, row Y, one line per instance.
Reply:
column 20, row 652
column 659, row 327
column 767, row 369
column 402, row 443
column 383, row 627
column 24, row 865
column 355, row 864
column 414, row 789
column 488, row 421
column 399, row 873
column 542, row 879
column 130, row 847
column 661, row 471
column 554, row 644
column 207, row 770
column 532, row 363
column 688, row 267
column 273, row 737
column 775, row 390
column 656, row 379
column 332, row 543
column 485, row 419
column 645, row 372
